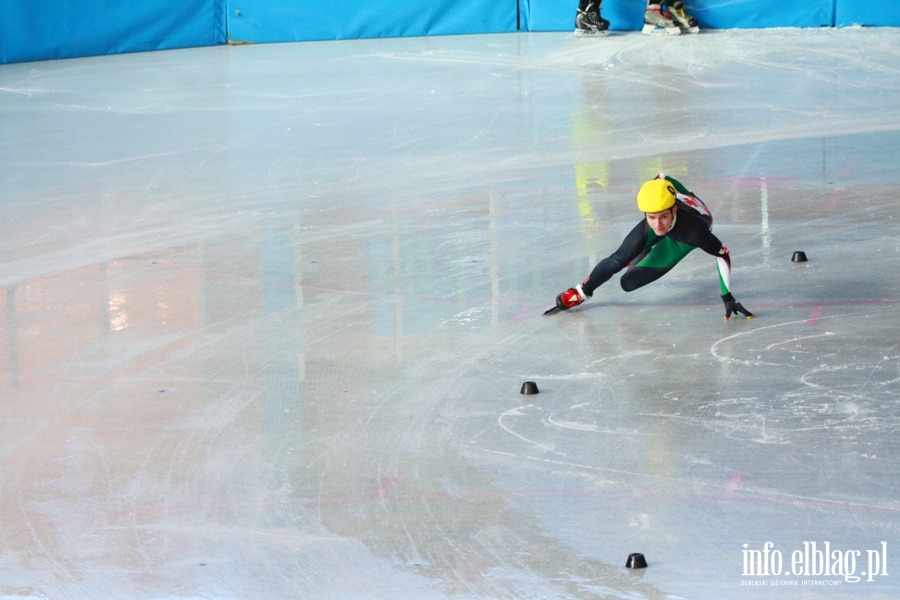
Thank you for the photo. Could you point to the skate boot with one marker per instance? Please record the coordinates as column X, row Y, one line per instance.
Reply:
column 570, row 298
column 589, row 23
column 658, row 21
column 685, row 22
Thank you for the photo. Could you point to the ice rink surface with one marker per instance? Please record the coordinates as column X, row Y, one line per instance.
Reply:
column 267, row 311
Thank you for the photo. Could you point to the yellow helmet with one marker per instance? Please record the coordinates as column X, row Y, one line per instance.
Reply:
column 656, row 196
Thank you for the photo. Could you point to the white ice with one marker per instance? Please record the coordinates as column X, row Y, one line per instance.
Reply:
column 268, row 309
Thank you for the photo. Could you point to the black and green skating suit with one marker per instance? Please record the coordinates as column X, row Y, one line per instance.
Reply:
column 649, row 256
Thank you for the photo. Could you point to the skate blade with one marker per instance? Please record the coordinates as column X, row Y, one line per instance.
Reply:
column 688, row 28
column 553, row 310
column 657, row 30
column 580, row 33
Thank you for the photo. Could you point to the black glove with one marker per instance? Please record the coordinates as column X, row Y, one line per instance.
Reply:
column 733, row 306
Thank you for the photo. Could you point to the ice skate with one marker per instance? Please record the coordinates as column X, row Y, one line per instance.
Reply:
column 685, row 22
column 656, row 21
column 568, row 299
column 589, row 23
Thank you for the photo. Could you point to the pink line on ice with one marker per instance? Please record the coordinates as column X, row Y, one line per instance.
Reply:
column 816, row 313
column 734, row 485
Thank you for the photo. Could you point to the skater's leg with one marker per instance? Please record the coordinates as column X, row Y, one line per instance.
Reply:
column 686, row 22
column 654, row 263
column 658, row 21
column 637, row 241
column 588, row 21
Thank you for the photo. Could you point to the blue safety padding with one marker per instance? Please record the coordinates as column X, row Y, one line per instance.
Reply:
column 866, row 12
column 757, row 14
column 48, row 29
column 284, row 20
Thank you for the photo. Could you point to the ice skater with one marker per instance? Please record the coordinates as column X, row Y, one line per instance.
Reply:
column 675, row 223
column 671, row 20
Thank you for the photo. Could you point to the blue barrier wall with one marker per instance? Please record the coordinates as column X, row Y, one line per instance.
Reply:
column 871, row 12
column 48, row 29
column 281, row 20
column 45, row 29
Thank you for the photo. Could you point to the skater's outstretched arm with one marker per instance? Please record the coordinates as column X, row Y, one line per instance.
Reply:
column 723, row 264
